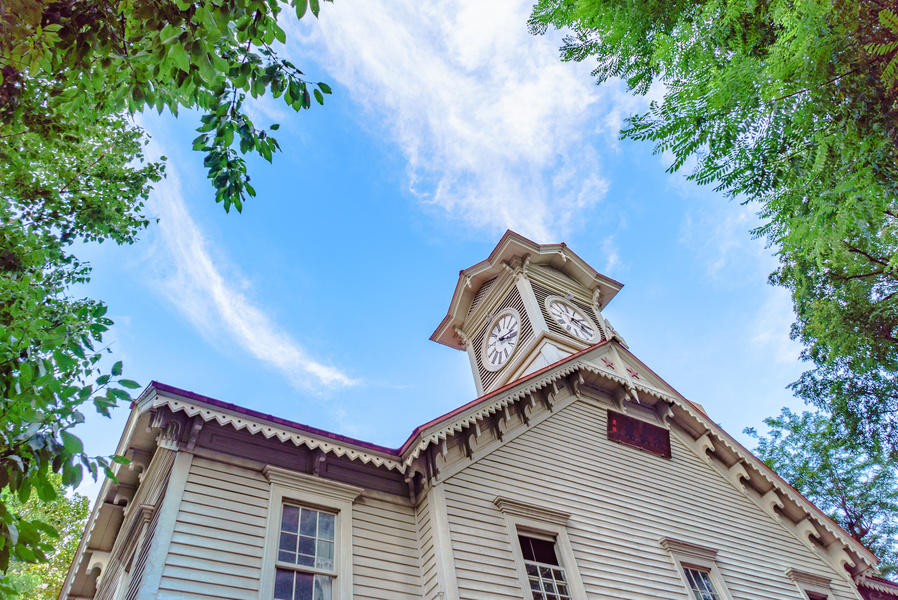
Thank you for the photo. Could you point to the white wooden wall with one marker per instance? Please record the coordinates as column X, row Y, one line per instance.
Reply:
column 385, row 551
column 216, row 549
column 623, row 501
column 217, row 546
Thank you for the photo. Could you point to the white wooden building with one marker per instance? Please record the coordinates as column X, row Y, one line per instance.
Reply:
column 578, row 473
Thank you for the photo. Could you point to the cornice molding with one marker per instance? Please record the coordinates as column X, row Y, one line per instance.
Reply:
column 517, row 508
column 688, row 549
column 311, row 485
column 804, row 578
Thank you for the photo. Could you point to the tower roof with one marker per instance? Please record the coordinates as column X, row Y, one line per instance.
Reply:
column 511, row 246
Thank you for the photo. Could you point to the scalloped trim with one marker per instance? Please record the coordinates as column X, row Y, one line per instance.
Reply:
column 269, row 431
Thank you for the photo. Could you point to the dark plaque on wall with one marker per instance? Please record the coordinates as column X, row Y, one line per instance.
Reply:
column 638, row 434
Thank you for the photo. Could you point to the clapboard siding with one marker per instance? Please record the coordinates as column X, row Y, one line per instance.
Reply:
column 385, row 551
column 622, row 501
column 218, row 541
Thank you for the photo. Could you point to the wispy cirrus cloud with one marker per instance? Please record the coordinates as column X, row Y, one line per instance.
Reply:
column 216, row 304
column 496, row 130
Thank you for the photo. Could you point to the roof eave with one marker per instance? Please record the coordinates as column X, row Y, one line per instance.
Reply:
column 470, row 279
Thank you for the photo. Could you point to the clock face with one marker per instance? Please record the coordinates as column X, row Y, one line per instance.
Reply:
column 503, row 339
column 572, row 320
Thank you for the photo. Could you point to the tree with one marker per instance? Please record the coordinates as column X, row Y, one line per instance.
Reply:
column 793, row 105
column 86, row 185
column 72, row 170
column 857, row 488
column 68, row 516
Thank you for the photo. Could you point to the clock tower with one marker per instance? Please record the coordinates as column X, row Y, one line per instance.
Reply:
column 525, row 307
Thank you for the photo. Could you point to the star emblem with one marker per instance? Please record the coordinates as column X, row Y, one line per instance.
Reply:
column 608, row 363
column 632, row 373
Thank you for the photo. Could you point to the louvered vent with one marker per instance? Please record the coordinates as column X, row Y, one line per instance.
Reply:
column 542, row 293
column 481, row 293
column 512, row 300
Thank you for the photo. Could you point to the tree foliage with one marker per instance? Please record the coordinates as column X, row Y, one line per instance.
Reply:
column 72, row 170
column 793, row 105
column 67, row 515
column 88, row 184
column 92, row 58
column 857, row 488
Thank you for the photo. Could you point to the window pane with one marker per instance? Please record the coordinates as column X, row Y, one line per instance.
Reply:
column 303, row 586
column 305, row 561
column 544, row 551
column 326, row 527
column 283, row 585
column 288, row 542
column 323, row 585
column 290, row 519
column 308, row 522
column 307, row 546
column 537, row 550
column 325, row 557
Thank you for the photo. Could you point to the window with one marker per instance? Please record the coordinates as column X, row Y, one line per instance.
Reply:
column 308, row 547
column 544, row 572
column 697, row 567
column 700, row 583
column 542, row 551
column 305, row 562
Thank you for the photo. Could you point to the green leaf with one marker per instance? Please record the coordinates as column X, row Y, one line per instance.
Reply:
column 128, row 383
column 117, row 369
column 71, row 443
column 179, row 56
column 315, row 7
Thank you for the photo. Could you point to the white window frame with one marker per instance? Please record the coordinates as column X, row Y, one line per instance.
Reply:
column 690, row 555
column 317, row 493
column 537, row 521
column 808, row 583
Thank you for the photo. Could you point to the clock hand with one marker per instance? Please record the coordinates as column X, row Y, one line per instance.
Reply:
column 508, row 335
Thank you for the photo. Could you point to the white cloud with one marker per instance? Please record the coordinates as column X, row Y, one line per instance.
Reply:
column 495, row 128
column 194, row 282
column 771, row 329
column 609, row 248
column 717, row 230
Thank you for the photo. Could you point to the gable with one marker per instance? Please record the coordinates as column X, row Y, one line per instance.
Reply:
column 622, row 502
column 455, row 442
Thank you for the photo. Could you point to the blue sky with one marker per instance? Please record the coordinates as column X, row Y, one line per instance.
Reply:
column 449, row 123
